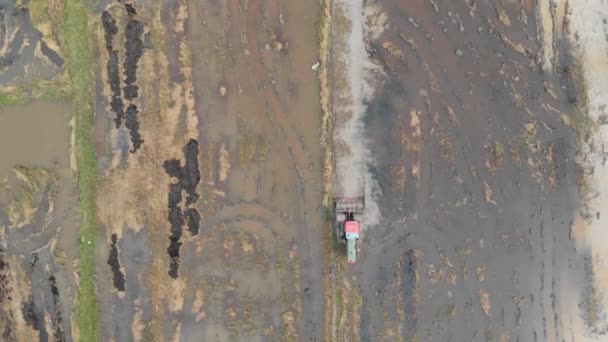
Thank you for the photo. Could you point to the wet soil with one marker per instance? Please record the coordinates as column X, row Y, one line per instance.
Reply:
column 228, row 109
column 19, row 62
column 485, row 197
column 271, row 93
column 36, row 280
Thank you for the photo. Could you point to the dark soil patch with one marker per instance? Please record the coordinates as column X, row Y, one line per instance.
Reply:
column 188, row 176
column 31, row 317
column 130, row 9
column 117, row 276
column 8, row 334
column 409, row 283
column 110, row 29
column 193, row 220
column 132, row 125
column 57, row 321
column 176, row 220
column 51, row 55
column 134, row 49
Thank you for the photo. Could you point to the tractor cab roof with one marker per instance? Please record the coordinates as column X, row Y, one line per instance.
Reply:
column 351, row 227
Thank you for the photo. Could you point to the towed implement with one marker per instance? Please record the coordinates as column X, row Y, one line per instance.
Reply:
column 349, row 219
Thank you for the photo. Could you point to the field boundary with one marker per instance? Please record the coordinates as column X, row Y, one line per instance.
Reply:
column 78, row 56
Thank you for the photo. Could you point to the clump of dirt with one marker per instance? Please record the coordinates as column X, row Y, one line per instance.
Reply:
column 110, row 29
column 484, row 299
column 394, row 51
column 117, row 275
column 188, row 177
column 481, row 273
column 495, row 152
column 503, row 17
column 488, row 193
column 434, row 274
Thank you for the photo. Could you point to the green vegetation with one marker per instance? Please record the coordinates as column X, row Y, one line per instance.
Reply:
column 12, row 98
column 499, row 149
column 3, row 185
column 47, row 16
column 56, row 91
column 321, row 21
column 34, row 182
column 76, row 48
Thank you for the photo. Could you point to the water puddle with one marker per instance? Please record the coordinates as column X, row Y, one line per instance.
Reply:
column 37, row 133
column 37, row 202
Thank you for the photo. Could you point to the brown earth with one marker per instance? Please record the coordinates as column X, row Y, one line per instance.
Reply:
column 481, row 190
column 208, row 129
column 212, row 217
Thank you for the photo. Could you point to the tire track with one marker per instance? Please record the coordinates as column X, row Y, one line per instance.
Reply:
column 309, row 245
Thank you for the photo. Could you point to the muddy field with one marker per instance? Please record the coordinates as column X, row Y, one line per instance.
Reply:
column 37, row 224
column 223, row 129
column 474, row 148
column 210, row 197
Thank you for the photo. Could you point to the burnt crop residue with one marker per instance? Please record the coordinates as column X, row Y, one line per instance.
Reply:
column 188, row 175
column 59, row 335
column 188, row 178
column 110, row 29
column 134, row 49
column 193, row 220
column 132, row 125
column 31, row 317
column 8, row 334
column 176, row 220
column 117, row 276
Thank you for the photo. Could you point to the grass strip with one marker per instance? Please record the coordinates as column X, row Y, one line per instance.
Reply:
column 12, row 98
column 78, row 56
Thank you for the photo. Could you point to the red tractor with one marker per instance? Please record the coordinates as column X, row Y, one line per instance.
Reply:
column 349, row 219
